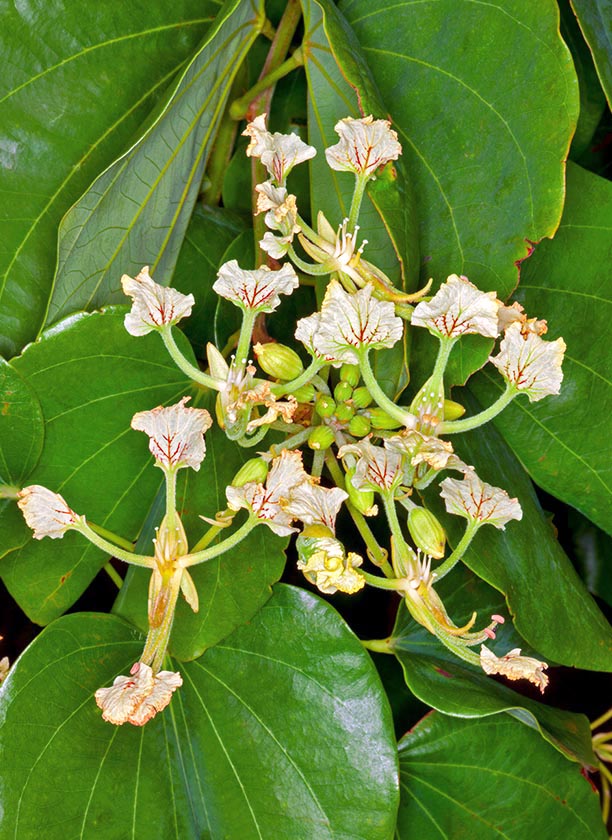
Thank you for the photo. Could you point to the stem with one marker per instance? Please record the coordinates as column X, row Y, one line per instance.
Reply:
column 451, row 427
column 127, row 556
column 244, row 341
column 170, row 476
column 252, row 440
column 113, row 575
column 378, row 645
column 279, row 48
column 219, row 160
column 225, row 545
column 208, row 537
column 158, row 637
column 360, row 185
column 382, row 400
column 462, row 546
column 241, row 107
column 185, row 365
column 318, row 459
column 108, row 535
column 383, row 583
column 287, row 387
column 406, row 554
column 601, row 720
column 292, row 442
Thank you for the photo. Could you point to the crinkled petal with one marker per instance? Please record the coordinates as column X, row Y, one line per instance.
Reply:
column 458, row 308
column 325, row 565
column 275, row 246
column 376, row 468
column 257, row 290
column 279, row 153
column 5, row 666
column 421, row 449
column 514, row 666
column 530, row 363
column 176, row 434
column 479, row 502
column 153, row 305
column 165, row 684
column 122, row 699
column 365, row 145
column 313, row 504
column 45, row 512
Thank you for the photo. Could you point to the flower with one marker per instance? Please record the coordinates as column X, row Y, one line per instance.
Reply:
column 46, row 513
column 257, row 290
column 529, row 363
column 137, row 698
column 337, row 250
column 479, row 502
column 267, row 502
column 377, row 468
column 279, row 153
column 176, row 434
column 422, row 449
column 348, row 323
column 324, row 564
column 514, row 666
column 365, row 144
column 515, row 313
column 315, row 505
column 281, row 215
column 153, row 306
column 5, row 666
column 458, row 308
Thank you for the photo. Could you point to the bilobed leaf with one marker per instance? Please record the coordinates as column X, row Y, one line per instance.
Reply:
column 21, row 426
column 90, row 377
column 137, row 211
column 595, row 19
column 440, row 679
column 282, row 731
column 489, row 779
column 75, row 87
column 563, row 441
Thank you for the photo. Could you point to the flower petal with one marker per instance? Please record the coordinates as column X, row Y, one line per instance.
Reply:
column 176, row 434
column 458, row 308
column 479, row 502
column 365, row 145
column 125, row 695
column 153, row 305
column 165, row 684
column 315, row 505
column 376, row 469
column 279, row 153
column 256, row 290
column 45, row 512
column 514, row 666
column 529, row 363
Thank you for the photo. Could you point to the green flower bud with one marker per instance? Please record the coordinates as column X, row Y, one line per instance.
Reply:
column 320, row 437
column 325, row 405
column 363, row 500
column 343, row 392
column 381, row 420
column 278, row 360
column 345, row 412
column 427, row 533
column 453, row 410
column 350, row 374
column 359, row 426
column 362, row 397
column 219, row 368
column 253, row 470
column 305, row 394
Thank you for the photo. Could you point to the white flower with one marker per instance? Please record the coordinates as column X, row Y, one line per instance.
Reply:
column 507, row 315
column 276, row 247
column 365, row 144
column 478, row 501
column 279, row 153
column 176, row 434
column 336, row 250
column 514, row 666
column 45, row 512
column 529, row 363
column 257, row 290
column 267, row 502
column 376, row 469
column 347, row 323
column 153, row 306
column 137, row 698
column 421, row 449
column 5, row 667
column 315, row 505
column 324, row 564
column 458, row 308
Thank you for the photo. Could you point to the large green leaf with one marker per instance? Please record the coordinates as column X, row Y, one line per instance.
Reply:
column 21, row 426
column 490, row 779
column 595, row 19
column 90, row 376
column 563, row 441
column 137, row 211
column 441, row 680
column 549, row 603
column 76, row 84
column 283, row 731
column 232, row 587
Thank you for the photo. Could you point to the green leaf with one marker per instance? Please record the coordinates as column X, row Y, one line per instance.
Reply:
column 550, row 606
column 489, row 779
column 563, row 441
column 595, row 19
column 90, row 377
column 138, row 210
column 21, row 426
column 231, row 588
column 454, row 687
column 75, row 87
column 227, row 758
column 593, row 554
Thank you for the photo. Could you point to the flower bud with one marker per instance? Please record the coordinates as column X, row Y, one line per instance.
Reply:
column 363, row 500
column 359, row 426
column 305, row 394
column 343, row 392
column 325, row 405
column 278, row 360
column 320, row 437
column 426, row 532
column 219, row 368
column 362, row 397
column 381, row 420
column 345, row 412
column 453, row 410
column 254, row 470
column 350, row 374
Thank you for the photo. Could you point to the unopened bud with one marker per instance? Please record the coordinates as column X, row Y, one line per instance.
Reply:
column 359, row 426
column 320, row 437
column 278, row 360
column 453, row 410
column 427, row 533
column 219, row 368
column 363, row 500
column 344, row 412
column 254, row 470
column 362, row 397
column 350, row 374
column 343, row 392
column 325, row 405
column 381, row 420
column 305, row 394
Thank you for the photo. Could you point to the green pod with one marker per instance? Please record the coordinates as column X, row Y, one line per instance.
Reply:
column 359, row 426
column 427, row 532
column 278, row 361
column 344, row 412
column 363, row 500
column 343, row 392
column 453, row 410
column 253, row 470
column 362, row 397
column 320, row 437
column 350, row 374
column 325, row 405
column 381, row 420
column 305, row 394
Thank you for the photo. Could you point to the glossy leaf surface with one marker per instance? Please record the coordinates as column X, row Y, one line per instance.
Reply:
column 21, row 426
column 282, row 731
column 489, row 779
column 595, row 19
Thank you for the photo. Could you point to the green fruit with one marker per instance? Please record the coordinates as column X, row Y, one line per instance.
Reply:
column 426, row 532
column 253, row 470
column 345, row 412
column 343, row 392
column 278, row 360
column 362, row 397
column 350, row 374
column 320, row 437
column 305, row 394
column 381, row 420
column 325, row 405
column 359, row 426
